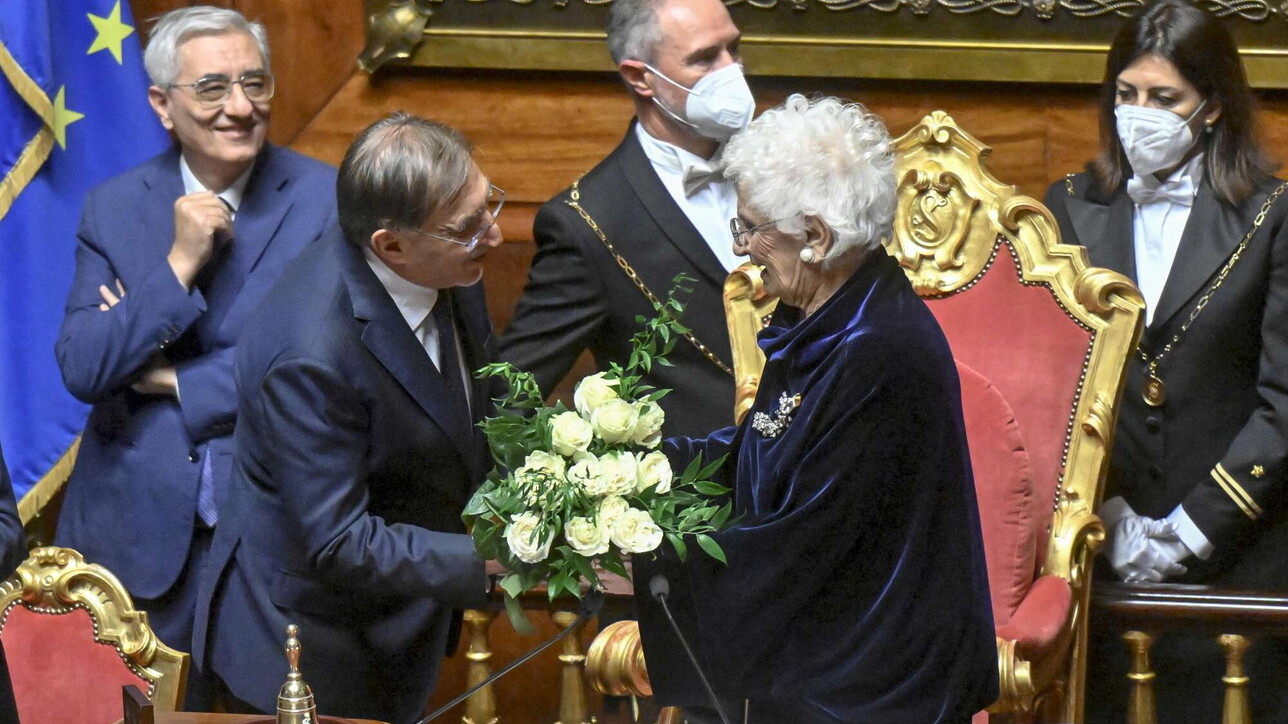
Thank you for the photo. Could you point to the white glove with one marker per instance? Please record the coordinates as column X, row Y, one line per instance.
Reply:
column 1145, row 549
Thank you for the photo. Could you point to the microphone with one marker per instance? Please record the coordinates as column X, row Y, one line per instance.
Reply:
column 659, row 588
column 591, row 602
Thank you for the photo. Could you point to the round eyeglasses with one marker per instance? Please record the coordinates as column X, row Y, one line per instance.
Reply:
column 740, row 230
column 489, row 213
column 212, row 91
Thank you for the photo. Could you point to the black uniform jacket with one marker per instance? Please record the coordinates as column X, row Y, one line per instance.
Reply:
column 1219, row 443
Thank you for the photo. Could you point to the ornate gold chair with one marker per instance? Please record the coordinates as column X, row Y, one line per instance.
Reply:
column 1041, row 342
column 73, row 640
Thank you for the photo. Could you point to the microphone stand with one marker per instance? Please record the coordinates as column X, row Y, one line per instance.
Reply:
column 660, row 588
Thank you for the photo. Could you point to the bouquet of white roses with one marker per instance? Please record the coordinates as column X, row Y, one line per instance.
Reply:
column 576, row 488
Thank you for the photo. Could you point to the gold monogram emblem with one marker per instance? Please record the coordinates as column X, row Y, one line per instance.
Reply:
column 1258, row 471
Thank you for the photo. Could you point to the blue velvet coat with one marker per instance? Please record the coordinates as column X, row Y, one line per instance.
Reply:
column 856, row 589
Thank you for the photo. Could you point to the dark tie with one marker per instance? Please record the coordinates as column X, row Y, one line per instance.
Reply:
column 448, row 360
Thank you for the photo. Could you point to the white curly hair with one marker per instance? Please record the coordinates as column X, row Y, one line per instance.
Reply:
column 822, row 157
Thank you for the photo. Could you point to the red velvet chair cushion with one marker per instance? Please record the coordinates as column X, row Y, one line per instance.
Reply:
column 1022, row 341
column 1040, row 619
column 1004, row 488
column 60, row 673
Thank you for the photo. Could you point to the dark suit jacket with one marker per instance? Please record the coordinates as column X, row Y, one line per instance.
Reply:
column 131, row 501
column 578, row 298
column 344, row 512
column 1220, row 442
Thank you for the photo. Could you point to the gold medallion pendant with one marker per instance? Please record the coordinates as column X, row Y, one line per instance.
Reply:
column 1154, row 391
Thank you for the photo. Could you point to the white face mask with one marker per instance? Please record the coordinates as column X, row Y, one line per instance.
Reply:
column 719, row 105
column 1154, row 139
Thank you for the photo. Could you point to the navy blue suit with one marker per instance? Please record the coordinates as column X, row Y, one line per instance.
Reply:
column 131, row 501
column 343, row 516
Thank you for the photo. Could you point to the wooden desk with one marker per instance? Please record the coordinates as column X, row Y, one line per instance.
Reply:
column 183, row 717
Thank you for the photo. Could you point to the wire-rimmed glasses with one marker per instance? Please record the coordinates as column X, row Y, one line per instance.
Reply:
column 212, row 91
column 494, row 202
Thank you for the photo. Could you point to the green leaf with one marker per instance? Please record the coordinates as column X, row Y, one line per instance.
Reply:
column 706, row 487
column 719, row 520
column 711, row 547
column 677, row 542
column 611, row 563
column 518, row 618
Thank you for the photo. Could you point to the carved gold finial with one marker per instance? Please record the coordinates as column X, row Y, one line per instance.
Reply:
column 394, row 29
column 295, row 703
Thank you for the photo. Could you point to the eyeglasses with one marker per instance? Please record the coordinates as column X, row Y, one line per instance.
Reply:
column 212, row 91
column 740, row 230
column 492, row 206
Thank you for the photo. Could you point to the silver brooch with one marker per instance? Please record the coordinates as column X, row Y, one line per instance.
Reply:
column 773, row 426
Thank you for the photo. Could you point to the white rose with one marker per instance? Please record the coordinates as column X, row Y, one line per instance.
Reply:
column 610, row 508
column 586, row 474
column 614, row 420
column 520, row 536
column 592, row 392
column 635, row 532
column 570, row 434
column 618, row 470
column 654, row 471
column 585, row 537
column 648, row 426
column 542, row 461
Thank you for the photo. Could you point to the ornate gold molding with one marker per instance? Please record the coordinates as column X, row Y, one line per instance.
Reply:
column 394, row 29
column 57, row 580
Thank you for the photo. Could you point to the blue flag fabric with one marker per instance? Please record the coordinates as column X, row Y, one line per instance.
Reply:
column 73, row 99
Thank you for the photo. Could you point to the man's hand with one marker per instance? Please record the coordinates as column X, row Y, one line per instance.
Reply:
column 494, row 567
column 159, row 378
column 1145, row 549
column 200, row 221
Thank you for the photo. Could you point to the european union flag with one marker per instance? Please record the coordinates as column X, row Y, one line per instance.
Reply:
column 73, row 99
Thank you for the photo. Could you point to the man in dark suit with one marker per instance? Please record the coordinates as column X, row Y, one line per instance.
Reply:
column 356, row 443
column 658, row 206
column 13, row 541
column 173, row 258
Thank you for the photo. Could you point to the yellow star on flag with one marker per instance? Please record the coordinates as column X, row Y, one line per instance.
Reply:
column 63, row 117
column 111, row 31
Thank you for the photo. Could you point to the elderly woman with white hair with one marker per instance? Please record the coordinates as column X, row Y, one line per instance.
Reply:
column 855, row 589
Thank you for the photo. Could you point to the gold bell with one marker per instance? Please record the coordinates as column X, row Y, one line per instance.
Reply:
column 295, row 701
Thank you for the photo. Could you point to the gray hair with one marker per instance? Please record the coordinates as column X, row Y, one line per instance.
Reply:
column 821, row 157
column 633, row 31
column 397, row 173
column 173, row 28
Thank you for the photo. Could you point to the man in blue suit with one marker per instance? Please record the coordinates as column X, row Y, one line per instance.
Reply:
column 173, row 257
column 356, row 440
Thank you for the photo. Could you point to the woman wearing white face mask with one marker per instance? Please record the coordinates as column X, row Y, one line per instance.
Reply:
column 1182, row 200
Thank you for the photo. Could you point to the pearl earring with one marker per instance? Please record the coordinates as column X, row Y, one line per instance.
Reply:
column 807, row 255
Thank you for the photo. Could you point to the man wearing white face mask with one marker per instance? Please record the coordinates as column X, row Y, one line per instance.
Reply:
column 655, row 207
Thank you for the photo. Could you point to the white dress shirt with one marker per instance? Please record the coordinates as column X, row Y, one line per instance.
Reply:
column 709, row 208
column 416, row 304
column 1156, row 233
column 231, row 195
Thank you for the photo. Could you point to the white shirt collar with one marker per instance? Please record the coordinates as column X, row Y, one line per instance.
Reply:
column 233, row 194
column 669, row 156
column 414, row 302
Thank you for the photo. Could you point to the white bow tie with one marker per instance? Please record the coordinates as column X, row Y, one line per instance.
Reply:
column 1147, row 191
column 700, row 173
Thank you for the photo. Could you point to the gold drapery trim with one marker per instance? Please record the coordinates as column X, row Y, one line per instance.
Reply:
column 48, row 486
column 39, row 147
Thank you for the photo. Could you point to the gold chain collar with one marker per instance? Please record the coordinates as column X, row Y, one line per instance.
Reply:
column 575, row 202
